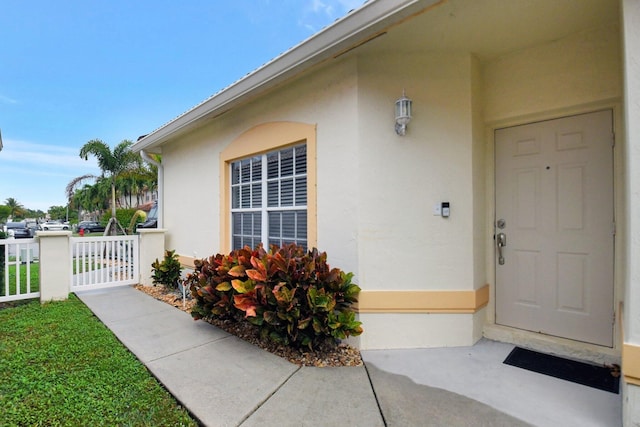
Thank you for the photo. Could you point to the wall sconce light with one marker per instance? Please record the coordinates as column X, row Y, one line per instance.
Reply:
column 403, row 114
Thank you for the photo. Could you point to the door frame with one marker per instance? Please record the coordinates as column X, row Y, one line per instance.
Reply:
column 532, row 339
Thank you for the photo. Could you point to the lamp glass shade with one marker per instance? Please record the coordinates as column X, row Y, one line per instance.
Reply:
column 403, row 110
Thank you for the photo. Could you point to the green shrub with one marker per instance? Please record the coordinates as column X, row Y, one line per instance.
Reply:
column 167, row 272
column 123, row 216
column 291, row 295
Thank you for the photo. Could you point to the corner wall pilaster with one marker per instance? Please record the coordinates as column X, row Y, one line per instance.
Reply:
column 151, row 248
column 55, row 268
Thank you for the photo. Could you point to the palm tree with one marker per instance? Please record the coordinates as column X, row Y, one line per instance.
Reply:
column 148, row 178
column 112, row 164
column 85, row 199
column 15, row 208
column 126, row 185
column 92, row 198
column 133, row 183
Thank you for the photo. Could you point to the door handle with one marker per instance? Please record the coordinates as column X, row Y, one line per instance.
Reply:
column 501, row 242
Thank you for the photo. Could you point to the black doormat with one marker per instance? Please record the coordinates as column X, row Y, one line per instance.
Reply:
column 600, row 377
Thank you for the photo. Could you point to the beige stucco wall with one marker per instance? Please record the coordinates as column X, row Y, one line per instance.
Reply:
column 402, row 244
column 365, row 219
column 632, row 103
column 191, row 192
column 631, row 387
column 479, row 182
column 54, row 271
column 376, row 190
column 577, row 70
column 326, row 98
column 403, row 330
column 456, row 108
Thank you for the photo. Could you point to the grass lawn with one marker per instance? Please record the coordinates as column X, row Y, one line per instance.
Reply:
column 34, row 279
column 59, row 365
column 34, row 276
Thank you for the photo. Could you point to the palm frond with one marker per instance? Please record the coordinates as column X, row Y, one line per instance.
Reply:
column 71, row 186
column 102, row 153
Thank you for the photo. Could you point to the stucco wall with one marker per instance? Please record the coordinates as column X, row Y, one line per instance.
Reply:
column 576, row 70
column 376, row 190
column 481, row 233
column 365, row 219
column 327, row 98
column 631, row 365
column 632, row 103
column 191, row 194
column 402, row 244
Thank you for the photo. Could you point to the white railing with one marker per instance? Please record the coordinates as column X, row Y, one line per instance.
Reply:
column 20, row 275
column 101, row 262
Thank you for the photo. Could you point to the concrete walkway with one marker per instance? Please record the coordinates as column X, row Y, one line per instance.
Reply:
column 224, row 381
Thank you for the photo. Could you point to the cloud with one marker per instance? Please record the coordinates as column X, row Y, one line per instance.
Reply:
column 319, row 6
column 19, row 172
column 335, row 8
column 7, row 100
column 34, row 156
column 37, row 174
column 320, row 13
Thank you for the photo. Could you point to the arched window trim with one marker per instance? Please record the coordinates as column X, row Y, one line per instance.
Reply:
column 262, row 139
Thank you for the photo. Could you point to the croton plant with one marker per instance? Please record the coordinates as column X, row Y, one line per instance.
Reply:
column 292, row 295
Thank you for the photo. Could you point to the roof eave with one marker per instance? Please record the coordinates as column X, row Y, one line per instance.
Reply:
column 353, row 29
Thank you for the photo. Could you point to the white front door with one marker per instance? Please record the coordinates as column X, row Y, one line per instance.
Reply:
column 554, row 207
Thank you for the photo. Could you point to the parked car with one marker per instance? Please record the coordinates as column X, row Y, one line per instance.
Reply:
column 90, row 227
column 19, row 230
column 152, row 218
column 32, row 226
column 53, row 226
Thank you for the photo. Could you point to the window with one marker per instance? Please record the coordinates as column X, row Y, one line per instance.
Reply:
column 269, row 199
column 258, row 143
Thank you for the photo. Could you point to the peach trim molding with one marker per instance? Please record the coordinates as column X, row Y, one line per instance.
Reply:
column 186, row 261
column 258, row 140
column 631, row 363
column 414, row 301
column 423, row 301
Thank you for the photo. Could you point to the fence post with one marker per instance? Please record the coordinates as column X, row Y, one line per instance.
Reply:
column 3, row 250
column 55, row 266
column 151, row 248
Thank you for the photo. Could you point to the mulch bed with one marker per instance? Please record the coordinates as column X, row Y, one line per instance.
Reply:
column 342, row 355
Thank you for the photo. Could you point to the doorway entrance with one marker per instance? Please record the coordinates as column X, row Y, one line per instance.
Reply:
column 554, row 229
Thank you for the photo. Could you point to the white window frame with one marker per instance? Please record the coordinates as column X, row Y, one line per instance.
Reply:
column 264, row 208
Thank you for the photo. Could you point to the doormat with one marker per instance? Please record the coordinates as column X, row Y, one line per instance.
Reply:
column 600, row 377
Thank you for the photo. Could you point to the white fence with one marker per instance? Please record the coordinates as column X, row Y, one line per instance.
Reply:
column 55, row 263
column 102, row 262
column 20, row 275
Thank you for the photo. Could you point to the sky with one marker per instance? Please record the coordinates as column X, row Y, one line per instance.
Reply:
column 76, row 70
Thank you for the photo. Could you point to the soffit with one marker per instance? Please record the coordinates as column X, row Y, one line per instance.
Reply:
column 492, row 28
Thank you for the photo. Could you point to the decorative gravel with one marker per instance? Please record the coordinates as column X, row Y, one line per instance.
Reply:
column 342, row 355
